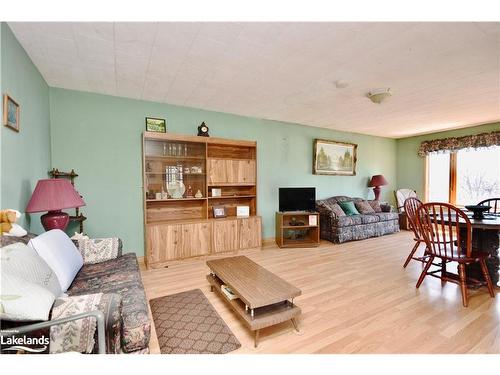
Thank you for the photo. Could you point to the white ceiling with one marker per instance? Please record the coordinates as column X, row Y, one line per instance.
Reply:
column 443, row 75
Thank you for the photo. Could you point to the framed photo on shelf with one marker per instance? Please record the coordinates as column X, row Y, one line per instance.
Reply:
column 334, row 158
column 11, row 111
column 219, row 212
column 242, row 211
column 158, row 125
column 216, row 192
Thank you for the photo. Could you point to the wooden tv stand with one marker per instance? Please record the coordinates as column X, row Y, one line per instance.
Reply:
column 300, row 233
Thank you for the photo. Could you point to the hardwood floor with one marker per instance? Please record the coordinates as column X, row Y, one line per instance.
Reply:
column 356, row 298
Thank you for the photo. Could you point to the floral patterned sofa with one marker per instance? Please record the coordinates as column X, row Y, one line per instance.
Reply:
column 124, row 302
column 338, row 229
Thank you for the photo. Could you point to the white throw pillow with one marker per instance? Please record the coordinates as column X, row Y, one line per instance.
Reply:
column 21, row 300
column 60, row 253
column 22, row 261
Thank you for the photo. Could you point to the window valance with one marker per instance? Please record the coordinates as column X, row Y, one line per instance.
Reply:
column 460, row 143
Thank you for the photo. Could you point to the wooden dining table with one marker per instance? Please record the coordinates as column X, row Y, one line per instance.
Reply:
column 486, row 237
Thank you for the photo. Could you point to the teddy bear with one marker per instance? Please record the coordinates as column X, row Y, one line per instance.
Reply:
column 8, row 226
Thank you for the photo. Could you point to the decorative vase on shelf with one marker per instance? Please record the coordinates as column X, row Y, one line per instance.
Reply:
column 198, row 194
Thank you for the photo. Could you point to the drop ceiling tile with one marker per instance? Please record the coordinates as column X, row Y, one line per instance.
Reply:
column 176, row 34
column 94, row 30
column 135, row 38
column 94, row 49
column 63, row 30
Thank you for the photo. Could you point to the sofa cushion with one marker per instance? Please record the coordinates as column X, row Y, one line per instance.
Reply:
column 21, row 260
column 364, row 207
column 60, row 253
column 121, row 276
column 327, row 207
column 347, row 221
column 387, row 216
column 369, row 218
column 375, row 205
column 98, row 250
column 337, row 210
column 349, row 208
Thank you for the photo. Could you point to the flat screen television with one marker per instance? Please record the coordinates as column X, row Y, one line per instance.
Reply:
column 297, row 199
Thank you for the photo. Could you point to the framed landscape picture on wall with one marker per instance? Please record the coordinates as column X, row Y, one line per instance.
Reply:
column 158, row 125
column 10, row 113
column 334, row 158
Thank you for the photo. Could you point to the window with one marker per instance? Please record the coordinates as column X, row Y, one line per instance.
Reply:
column 438, row 178
column 478, row 175
column 463, row 177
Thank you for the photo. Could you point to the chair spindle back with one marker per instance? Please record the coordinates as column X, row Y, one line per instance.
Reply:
column 439, row 225
column 493, row 202
column 411, row 205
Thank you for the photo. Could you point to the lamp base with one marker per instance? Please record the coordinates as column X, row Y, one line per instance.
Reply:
column 376, row 191
column 55, row 220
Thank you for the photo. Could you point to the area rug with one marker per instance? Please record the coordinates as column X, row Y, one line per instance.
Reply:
column 186, row 323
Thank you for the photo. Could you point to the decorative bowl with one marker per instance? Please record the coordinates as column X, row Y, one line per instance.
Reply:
column 478, row 211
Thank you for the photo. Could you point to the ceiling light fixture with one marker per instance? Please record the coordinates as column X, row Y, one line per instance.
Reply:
column 379, row 95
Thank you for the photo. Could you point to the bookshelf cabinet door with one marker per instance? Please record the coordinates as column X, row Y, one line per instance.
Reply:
column 196, row 239
column 164, row 243
column 250, row 232
column 225, row 235
column 231, row 171
column 245, row 171
column 217, row 171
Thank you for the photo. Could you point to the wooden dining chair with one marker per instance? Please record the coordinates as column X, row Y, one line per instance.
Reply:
column 447, row 232
column 410, row 207
column 493, row 202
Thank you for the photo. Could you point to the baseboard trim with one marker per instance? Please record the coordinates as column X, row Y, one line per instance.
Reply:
column 268, row 241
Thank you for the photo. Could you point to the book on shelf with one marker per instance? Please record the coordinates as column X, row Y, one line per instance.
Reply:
column 228, row 292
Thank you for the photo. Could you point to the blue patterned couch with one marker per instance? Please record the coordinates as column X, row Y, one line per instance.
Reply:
column 340, row 229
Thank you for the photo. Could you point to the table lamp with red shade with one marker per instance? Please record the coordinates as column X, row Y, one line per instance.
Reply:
column 54, row 195
column 376, row 182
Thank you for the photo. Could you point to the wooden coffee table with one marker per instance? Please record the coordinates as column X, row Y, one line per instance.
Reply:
column 264, row 299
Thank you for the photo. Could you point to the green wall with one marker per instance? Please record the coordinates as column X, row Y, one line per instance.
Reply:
column 100, row 137
column 411, row 167
column 25, row 156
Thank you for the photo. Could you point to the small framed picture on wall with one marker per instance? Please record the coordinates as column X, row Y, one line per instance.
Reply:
column 11, row 113
column 158, row 125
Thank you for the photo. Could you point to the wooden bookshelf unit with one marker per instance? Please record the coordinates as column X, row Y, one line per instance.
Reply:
column 294, row 229
column 180, row 224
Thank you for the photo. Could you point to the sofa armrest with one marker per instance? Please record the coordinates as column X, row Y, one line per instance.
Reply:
column 97, row 250
column 328, row 219
column 98, row 315
column 108, row 304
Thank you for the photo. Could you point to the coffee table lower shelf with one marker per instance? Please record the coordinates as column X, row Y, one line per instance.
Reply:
column 264, row 316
